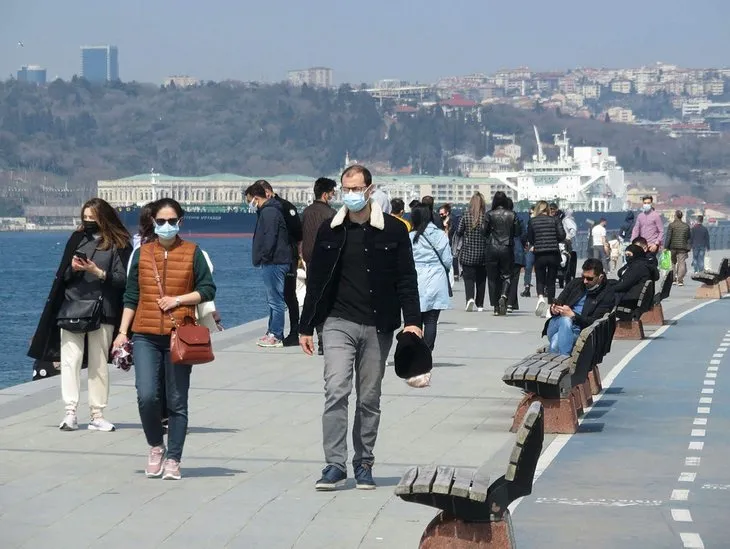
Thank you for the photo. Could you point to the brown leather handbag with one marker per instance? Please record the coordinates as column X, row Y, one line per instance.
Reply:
column 189, row 342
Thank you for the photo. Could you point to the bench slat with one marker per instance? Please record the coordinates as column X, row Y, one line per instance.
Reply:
column 424, row 481
column 444, row 477
column 405, row 486
column 462, row 483
column 479, row 486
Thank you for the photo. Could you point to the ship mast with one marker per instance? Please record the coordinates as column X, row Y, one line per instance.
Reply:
column 540, row 154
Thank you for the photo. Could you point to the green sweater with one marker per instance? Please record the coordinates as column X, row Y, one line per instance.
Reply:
column 204, row 284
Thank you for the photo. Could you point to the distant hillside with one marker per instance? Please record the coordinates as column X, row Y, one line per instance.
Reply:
column 76, row 132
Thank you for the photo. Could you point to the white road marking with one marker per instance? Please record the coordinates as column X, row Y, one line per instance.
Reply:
column 679, row 495
column 700, row 421
column 696, row 446
column 692, row 461
column 697, row 433
column 716, row 486
column 715, row 362
column 712, row 368
column 708, row 391
column 718, row 355
column 601, row 502
column 691, row 541
column 705, row 400
column 681, row 515
column 711, row 375
column 687, row 477
column 709, row 382
column 703, row 410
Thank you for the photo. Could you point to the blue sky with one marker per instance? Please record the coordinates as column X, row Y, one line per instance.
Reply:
column 361, row 41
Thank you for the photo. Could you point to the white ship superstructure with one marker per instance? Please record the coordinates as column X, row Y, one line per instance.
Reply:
column 588, row 180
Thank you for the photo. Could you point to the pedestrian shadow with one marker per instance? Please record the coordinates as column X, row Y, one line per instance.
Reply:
column 207, row 472
column 613, row 391
column 604, row 403
column 447, row 365
column 191, row 429
column 591, row 427
column 386, row 481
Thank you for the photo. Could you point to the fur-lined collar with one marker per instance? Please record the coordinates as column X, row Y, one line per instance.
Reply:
column 377, row 217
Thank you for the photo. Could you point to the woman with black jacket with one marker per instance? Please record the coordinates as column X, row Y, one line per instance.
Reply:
column 545, row 232
column 500, row 227
column 83, row 309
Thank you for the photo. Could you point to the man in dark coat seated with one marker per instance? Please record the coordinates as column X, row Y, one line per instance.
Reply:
column 632, row 277
column 583, row 301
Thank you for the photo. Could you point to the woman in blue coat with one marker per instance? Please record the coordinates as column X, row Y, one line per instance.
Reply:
column 432, row 255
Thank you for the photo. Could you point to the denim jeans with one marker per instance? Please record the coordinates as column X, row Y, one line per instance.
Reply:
column 351, row 348
column 562, row 335
column 274, row 276
column 529, row 264
column 429, row 323
column 151, row 362
column 698, row 259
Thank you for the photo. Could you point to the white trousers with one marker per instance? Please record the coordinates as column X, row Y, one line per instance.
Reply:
column 72, row 355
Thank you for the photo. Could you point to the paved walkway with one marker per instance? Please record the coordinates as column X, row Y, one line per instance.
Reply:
column 254, row 449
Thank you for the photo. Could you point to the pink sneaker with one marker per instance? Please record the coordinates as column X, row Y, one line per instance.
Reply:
column 269, row 341
column 154, row 462
column 172, row 470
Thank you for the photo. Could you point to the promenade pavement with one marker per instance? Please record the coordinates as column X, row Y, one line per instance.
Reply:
column 254, row 448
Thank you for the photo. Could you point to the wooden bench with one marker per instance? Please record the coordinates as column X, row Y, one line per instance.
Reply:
column 474, row 513
column 655, row 315
column 713, row 282
column 629, row 324
column 563, row 384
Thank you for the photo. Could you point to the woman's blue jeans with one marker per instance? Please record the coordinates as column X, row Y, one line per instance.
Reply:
column 151, row 363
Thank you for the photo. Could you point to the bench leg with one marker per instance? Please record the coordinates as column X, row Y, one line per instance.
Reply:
column 586, row 394
column 446, row 532
column 577, row 396
column 560, row 414
column 594, row 379
column 654, row 316
column 629, row 329
column 708, row 291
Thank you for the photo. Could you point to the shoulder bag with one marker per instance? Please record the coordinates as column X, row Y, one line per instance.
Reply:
column 448, row 281
column 189, row 342
column 81, row 315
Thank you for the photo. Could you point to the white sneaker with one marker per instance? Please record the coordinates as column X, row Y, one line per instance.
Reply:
column 480, row 309
column 101, row 424
column 541, row 306
column 470, row 306
column 69, row 423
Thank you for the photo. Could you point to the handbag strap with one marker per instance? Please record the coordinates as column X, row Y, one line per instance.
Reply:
column 158, row 280
column 448, row 282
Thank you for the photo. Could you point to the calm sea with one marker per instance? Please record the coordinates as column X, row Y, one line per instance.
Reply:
column 28, row 262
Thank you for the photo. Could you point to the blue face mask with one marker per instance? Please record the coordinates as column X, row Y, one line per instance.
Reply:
column 167, row 231
column 355, row 202
column 646, row 208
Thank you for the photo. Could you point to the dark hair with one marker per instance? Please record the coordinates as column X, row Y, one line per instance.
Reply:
column 257, row 190
column 499, row 200
column 324, row 185
column 358, row 169
column 428, row 201
column 397, row 205
column 265, row 184
column 413, row 203
column 647, row 197
column 593, row 264
column 602, row 220
column 640, row 241
column 112, row 230
column 420, row 218
column 147, row 222
column 446, row 207
column 167, row 203
column 700, row 218
column 510, row 204
column 553, row 206
column 678, row 214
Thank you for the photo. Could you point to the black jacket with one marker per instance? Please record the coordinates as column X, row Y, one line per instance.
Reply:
column 545, row 232
column 271, row 244
column 700, row 237
column 312, row 218
column 46, row 343
column 597, row 303
column 633, row 276
column 392, row 272
column 628, row 226
column 678, row 237
column 293, row 225
column 500, row 228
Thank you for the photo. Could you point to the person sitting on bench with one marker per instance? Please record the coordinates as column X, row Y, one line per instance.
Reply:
column 583, row 301
column 632, row 277
column 641, row 242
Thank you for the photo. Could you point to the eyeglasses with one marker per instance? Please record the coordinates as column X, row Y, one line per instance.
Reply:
column 172, row 221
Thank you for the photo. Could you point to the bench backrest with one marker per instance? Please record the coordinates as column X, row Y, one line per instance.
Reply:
column 645, row 297
column 584, row 349
column 724, row 268
column 665, row 288
column 526, row 452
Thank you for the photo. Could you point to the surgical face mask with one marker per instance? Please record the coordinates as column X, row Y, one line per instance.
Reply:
column 91, row 227
column 646, row 208
column 355, row 201
column 167, row 231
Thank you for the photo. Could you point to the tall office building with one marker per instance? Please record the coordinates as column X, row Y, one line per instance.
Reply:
column 320, row 77
column 33, row 74
column 100, row 63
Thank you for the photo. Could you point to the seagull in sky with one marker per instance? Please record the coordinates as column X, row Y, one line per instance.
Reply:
column 20, row 44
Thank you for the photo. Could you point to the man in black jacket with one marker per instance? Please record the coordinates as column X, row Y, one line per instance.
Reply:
column 583, row 301
column 271, row 251
column 700, row 242
column 361, row 277
column 500, row 229
column 294, row 229
column 633, row 276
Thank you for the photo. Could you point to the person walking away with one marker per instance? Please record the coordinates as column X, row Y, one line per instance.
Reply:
column 472, row 255
column 451, row 223
column 600, row 242
column 700, row 241
column 271, row 251
column 583, row 301
column 678, row 244
column 429, row 202
column 397, row 210
column 500, row 228
column 614, row 246
column 519, row 261
column 649, row 225
column 626, row 229
column 313, row 217
column 545, row 232
column 294, row 230
column 432, row 256
column 361, row 278
column 186, row 279
column 529, row 263
column 83, row 310
column 571, row 231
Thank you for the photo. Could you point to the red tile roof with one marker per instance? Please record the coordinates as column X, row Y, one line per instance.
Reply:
column 459, row 101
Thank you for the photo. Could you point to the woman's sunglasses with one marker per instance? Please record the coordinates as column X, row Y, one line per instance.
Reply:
column 172, row 221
